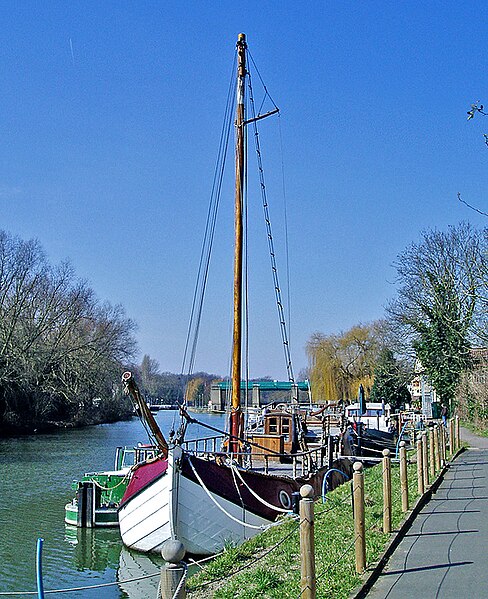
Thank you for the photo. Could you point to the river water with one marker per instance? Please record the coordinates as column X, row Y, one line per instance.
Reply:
column 36, row 472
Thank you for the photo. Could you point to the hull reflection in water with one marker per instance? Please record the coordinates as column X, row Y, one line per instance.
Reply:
column 136, row 565
column 101, row 550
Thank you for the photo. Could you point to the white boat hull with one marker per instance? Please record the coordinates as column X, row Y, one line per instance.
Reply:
column 145, row 521
column 203, row 523
column 173, row 506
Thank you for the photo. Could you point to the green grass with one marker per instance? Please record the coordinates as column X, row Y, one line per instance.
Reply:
column 277, row 573
column 482, row 432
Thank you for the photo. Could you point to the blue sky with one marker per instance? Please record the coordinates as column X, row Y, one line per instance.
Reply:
column 110, row 121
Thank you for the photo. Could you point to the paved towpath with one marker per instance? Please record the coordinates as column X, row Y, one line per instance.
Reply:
column 445, row 552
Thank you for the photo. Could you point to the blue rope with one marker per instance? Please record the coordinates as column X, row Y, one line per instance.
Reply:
column 324, row 482
column 397, row 449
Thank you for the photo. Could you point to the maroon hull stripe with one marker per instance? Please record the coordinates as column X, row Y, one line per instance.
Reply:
column 221, row 481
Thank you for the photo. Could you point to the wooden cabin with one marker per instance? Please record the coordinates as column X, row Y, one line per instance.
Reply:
column 279, row 435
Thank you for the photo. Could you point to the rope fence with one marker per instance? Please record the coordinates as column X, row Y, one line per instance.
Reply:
column 371, row 519
column 430, row 455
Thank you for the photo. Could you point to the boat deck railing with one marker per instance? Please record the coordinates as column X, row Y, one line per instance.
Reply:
column 204, row 445
column 297, row 464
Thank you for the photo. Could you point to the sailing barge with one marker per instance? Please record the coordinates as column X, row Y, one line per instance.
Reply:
column 226, row 488
column 207, row 497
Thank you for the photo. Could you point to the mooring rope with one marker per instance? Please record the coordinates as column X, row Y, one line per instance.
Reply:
column 254, row 561
column 221, row 508
column 263, row 501
column 85, row 588
column 180, row 584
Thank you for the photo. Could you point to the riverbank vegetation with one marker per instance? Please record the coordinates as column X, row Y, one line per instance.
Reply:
column 437, row 321
column 170, row 388
column 61, row 348
column 268, row 565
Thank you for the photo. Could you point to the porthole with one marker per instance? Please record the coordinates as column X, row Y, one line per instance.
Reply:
column 285, row 500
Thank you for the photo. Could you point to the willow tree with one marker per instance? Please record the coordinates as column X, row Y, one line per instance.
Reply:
column 339, row 363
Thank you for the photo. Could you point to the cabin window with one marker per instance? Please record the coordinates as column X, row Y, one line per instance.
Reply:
column 273, row 425
column 285, row 426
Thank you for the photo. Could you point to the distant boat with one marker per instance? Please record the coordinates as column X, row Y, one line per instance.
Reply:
column 207, row 497
column 98, row 494
column 369, row 429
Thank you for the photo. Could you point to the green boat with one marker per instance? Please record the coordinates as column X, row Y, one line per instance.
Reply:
column 98, row 494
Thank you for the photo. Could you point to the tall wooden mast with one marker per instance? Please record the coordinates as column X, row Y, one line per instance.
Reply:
column 236, row 415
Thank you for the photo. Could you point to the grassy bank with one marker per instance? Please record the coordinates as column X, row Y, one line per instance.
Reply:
column 482, row 431
column 268, row 565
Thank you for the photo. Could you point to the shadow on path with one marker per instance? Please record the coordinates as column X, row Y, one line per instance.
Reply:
column 450, row 534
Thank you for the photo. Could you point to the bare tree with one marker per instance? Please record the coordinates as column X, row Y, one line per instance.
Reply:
column 59, row 346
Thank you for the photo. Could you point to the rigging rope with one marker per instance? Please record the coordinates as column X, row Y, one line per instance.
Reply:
column 272, row 253
column 202, row 276
column 267, row 94
column 263, row 501
column 246, row 270
column 285, row 215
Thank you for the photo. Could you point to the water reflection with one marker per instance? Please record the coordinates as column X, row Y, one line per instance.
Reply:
column 95, row 549
column 98, row 550
column 35, row 484
column 137, row 565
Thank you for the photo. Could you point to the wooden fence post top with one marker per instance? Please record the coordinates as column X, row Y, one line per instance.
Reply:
column 386, row 452
column 173, row 551
column 306, row 491
column 357, row 467
column 403, row 444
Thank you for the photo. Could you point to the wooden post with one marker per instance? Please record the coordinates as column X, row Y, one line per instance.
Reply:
column 386, row 491
column 307, row 543
column 404, row 476
column 458, row 433
column 420, row 468
column 86, row 504
column 330, row 451
column 359, row 526
column 452, row 440
column 425, row 460
column 173, row 571
column 431, row 454
column 442, row 430
column 436, row 449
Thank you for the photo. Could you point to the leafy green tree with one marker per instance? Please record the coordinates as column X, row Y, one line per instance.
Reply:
column 436, row 306
column 390, row 381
